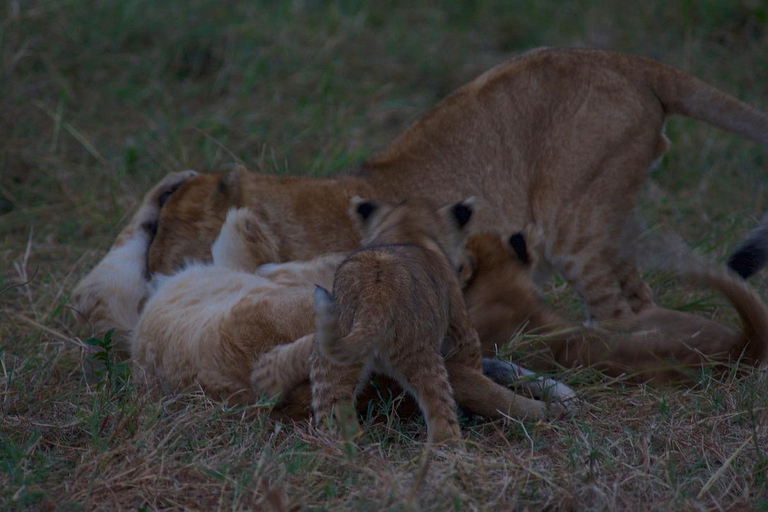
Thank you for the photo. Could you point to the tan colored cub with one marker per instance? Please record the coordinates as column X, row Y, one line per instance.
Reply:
column 396, row 309
column 656, row 345
column 220, row 327
column 560, row 139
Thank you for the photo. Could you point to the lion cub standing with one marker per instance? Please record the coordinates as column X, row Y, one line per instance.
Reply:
column 396, row 309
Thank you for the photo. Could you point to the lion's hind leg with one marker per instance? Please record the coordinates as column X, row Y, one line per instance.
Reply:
column 480, row 395
column 421, row 371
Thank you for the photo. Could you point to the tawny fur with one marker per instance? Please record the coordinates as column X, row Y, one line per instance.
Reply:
column 110, row 296
column 214, row 325
column 221, row 328
column 391, row 312
column 397, row 309
column 560, row 139
column 657, row 345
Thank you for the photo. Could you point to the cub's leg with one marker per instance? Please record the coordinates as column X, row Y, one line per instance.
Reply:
column 110, row 296
column 333, row 389
column 283, row 368
column 421, row 371
column 480, row 395
column 465, row 345
column 637, row 293
column 244, row 242
column 510, row 374
column 474, row 391
column 318, row 271
column 591, row 270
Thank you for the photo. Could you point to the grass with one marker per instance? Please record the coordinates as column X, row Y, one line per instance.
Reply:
column 100, row 99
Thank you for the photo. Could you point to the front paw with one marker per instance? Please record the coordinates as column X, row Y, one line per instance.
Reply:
column 265, row 380
column 562, row 398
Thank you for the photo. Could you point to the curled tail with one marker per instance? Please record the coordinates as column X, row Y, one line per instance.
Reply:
column 671, row 253
column 355, row 347
column 747, row 303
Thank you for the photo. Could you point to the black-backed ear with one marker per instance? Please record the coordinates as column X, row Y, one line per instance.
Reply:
column 230, row 184
column 363, row 208
column 462, row 211
column 517, row 242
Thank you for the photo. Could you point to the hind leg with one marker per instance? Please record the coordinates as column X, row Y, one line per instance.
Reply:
column 592, row 272
column 110, row 296
column 513, row 375
column 422, row 373
column 636, row 291
column 480, row 395
column 333, row 390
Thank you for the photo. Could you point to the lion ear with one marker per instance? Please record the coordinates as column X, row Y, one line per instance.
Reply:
column 363, row 208
column 230, row 184
column 520, row 247
column 462, row 212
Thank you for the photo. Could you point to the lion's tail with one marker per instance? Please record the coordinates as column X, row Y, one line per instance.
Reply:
column 355, row 347
column 747, row 303
column 683, row 94
column 751, row 255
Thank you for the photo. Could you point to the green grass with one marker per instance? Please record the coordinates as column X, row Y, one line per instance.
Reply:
column 100, row 99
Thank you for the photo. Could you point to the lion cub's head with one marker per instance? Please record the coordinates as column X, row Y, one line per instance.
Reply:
column 501, row 297
column 418, row 221
column 191, row 219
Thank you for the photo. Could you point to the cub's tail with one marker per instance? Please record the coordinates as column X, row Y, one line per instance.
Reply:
column 752, row 254
column 355, row 347
column 673, row 254
column 683, row 94
column 750, row 307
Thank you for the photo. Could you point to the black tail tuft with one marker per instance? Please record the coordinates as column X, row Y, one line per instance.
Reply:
column 518, row 244
column 752, row 254
column 748, row 259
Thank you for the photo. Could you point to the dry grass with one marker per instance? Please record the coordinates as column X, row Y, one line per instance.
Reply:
column 100, row 99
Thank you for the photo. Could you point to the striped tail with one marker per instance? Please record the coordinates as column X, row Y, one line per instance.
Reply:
column 355, row 347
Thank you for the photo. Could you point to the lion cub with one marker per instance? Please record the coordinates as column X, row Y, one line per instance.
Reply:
column 655, row 345
column 396, row 309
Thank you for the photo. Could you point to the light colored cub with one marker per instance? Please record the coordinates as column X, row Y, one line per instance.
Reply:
column 212, row 325
column 189, row 337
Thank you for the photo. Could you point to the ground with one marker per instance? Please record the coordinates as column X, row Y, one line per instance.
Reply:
column 100, row 99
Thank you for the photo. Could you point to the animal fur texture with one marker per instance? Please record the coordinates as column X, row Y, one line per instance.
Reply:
column 235, row 334
column 395, row 309
column 558, row 139
column 657, row 345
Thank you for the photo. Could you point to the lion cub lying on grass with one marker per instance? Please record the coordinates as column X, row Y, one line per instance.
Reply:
column 656, row 345
column 235, row 333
